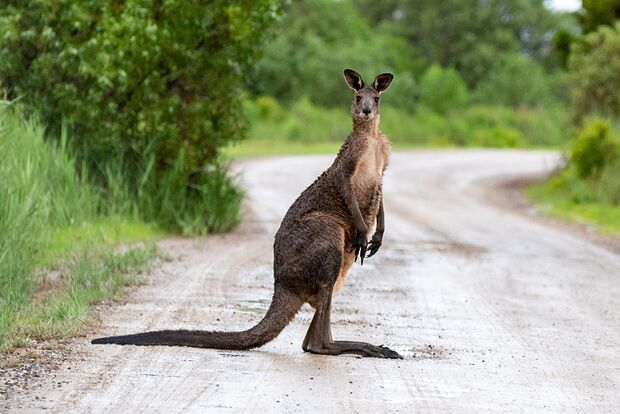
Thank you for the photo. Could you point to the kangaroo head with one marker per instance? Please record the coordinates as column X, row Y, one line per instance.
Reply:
column 365, row 104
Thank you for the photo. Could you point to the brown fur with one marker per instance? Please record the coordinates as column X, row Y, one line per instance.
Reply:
column 319, row 239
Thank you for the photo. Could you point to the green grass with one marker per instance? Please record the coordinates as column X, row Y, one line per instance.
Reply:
column 60, row 304
column 268, row 148
column 112, row 230
column 52, row 223
column 565, row 196
column 262, row 148
column 181, row 201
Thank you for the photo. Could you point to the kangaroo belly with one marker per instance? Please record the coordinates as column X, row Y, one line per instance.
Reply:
column 347, row 261
column 367, row 179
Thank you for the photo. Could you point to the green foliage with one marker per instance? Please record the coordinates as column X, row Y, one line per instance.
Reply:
column 515, row 80
column 595, row 73
column 209, row 205
column 442, row 90
column 62, row 307
column 567, row 196
column 302, row 122
column 39, row 189
column 306, row 127
column 138, row 89
column 316, row 41
column 588, row 189
column 594, row 148
column 592, row 15
column 498, row 137
column 468, row 35
column 595, row 13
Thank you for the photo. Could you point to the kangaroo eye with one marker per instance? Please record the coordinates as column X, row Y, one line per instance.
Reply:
column 358, row 98
column 376, row 99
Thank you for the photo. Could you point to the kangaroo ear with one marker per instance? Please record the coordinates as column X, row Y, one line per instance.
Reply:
column 382, row 82
column 354, row 79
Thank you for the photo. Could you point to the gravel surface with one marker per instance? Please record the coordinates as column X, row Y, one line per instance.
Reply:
column 493, row 310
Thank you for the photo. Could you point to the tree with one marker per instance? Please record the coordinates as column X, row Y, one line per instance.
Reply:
column 594, row 70
column 134, row 79
column 125, row 75
column 468, row 35
column 316, row 41
column 595, row 13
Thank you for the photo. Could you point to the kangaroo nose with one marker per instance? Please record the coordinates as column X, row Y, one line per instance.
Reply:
column 366, row 111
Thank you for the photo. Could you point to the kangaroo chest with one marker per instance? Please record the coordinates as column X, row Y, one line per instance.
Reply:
column 371, row 166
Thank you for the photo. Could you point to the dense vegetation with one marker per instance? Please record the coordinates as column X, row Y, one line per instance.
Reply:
column 123, row 107
column 126, row 106
column 51, row 217
column 589, row 187
column 467, row 73
column 142, row 93
column 499, row 73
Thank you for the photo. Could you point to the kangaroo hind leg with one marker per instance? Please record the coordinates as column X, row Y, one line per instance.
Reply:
column 319, row 340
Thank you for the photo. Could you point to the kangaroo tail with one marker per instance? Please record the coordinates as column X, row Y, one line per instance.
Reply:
column 284, row 306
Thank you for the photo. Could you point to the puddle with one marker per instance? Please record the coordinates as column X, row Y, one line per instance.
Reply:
column 462, row 249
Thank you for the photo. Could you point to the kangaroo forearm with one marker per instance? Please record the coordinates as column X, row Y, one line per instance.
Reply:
column 381, row 218
column 351, row 201
column 355, row 211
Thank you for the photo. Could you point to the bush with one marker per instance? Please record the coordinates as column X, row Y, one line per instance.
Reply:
column 594, row 69
column 593, row 148
column 138, row 90
column 442, row 90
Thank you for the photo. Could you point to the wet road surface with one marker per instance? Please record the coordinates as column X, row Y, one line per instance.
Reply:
column 492, row 310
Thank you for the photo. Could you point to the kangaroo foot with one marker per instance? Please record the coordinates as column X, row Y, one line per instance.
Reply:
column 349, row 347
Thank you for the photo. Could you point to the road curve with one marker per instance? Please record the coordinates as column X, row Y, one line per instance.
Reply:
column 493, row 310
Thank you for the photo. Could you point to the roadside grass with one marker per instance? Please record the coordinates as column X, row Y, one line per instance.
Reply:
column 57, row 245
column 566, row 197
column 60, row 303
column 263, row 147
column 113, row 230
column 267, row 148
column 208, row 205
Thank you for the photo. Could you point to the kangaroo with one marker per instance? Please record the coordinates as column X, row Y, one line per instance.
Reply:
column 322, row 234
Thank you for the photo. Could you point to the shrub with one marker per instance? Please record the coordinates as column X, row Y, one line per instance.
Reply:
column 442, row 89
column 593, row 148
column 132, row 82
column 594, row 69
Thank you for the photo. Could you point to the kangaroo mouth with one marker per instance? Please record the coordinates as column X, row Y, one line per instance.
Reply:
column 366, row 117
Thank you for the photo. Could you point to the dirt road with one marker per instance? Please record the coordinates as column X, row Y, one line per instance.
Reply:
column 493, row 311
